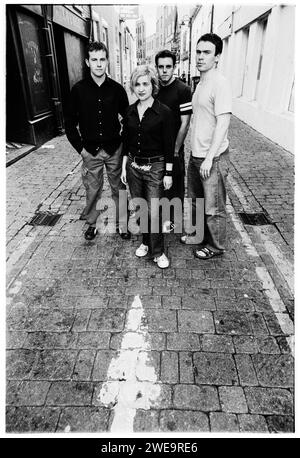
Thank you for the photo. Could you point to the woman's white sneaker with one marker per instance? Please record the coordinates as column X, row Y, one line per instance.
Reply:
column 141, row 251
column 162, row 261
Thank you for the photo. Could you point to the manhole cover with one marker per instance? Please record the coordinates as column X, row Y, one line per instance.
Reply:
column 44, row 219
column 255, row 219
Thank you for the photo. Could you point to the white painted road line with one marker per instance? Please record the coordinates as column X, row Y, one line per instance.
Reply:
column 277, row 304
column 131, row 379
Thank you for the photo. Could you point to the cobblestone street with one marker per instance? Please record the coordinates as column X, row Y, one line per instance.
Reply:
column 97, row 338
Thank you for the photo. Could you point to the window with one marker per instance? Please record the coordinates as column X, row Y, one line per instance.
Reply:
column 262, row 30
column 244, row 51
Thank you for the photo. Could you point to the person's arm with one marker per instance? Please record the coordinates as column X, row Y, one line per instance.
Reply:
column 124, row 173
column 169, row 144
column 185, row 108
column 125, row 148
column 71, row 122
column 183, row 130
column 221, row 128
column 123, row 102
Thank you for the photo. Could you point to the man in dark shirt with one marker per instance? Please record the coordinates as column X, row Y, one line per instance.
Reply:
column 95, row 105
column 177, row 96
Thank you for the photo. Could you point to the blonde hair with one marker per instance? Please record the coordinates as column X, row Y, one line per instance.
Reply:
column 144, row 70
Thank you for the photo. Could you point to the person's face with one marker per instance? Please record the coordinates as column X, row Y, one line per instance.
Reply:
column 205, row 56
column 143, row 88
column 165, row 69
column 97, row 63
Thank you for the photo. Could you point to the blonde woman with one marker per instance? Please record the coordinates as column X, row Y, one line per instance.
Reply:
column 148, row 150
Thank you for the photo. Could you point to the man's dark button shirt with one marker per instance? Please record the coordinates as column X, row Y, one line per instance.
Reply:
column 153, row 135
column 96, row 110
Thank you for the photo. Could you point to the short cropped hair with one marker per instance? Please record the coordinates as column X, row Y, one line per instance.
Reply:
column 165, row 53
column 95, row 46
column 215, row 40
column 144, row 70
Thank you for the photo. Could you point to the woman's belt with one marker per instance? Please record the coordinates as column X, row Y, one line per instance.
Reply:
column 145, row 160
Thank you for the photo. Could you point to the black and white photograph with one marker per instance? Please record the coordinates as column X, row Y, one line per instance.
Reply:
column 150, row 164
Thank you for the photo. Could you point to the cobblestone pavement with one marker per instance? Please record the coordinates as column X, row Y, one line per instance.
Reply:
column 99, row 340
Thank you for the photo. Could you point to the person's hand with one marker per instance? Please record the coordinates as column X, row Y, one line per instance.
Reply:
column 124, row 176
column 206, row 168
column 168, row 181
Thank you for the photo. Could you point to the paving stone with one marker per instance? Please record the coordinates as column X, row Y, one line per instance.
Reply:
column 107, row 320
column 183, row 341
column 223, row 422
column 26, row 393
column 269, row 401
column 54, row 365
column 232, row 399
column 15, row 339
column 183, row 421
column 280, row 424
column 217, row 343
column 283, row 345
column 146, row 420
column 171, row 303
column 161, row 321
column 81, row 320
column 186, row 367
column 191, row 321
column 151, row 302
column 200, row 303
column 83, row 419
column 84, row 365
column 193, row 397
column 226, row 304
column 215, row 369
column 160, row 291
column 93, row 339
column 101, row 364
column 267, row 345
column 232, row 323
column 274, row 370
column 273, row 324
column 70, row 394
column 19, row 363
column 164, row 401
column 89, row 302
column 169, row 367
column 245, row 344
column 246, row 371
column 50, row 340
column 258, row 324
column 250, row 423
column 31, row 419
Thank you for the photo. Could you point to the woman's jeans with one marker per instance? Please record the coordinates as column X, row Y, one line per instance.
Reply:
column 148, row 184
column 213, row 190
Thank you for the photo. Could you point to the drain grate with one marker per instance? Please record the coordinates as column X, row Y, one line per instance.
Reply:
column 44, row 219
column 255, row 219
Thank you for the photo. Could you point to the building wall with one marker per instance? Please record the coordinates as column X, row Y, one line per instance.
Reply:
column 151, row 49
column 259, row 62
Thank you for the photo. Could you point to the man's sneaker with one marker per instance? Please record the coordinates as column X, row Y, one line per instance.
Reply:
column 90, row 233
column 142, row 250
column 162, row 261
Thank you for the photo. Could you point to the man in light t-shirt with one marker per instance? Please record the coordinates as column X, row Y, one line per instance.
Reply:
column 209, row 163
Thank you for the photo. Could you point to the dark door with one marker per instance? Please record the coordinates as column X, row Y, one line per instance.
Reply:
column 17, row 128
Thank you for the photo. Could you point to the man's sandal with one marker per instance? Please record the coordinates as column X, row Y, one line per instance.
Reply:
column 206, row 253
column 189, row 239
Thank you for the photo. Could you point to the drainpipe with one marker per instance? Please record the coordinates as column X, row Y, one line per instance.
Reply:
column 212, row 19
column 190, row 50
